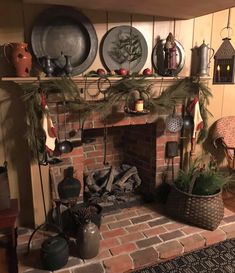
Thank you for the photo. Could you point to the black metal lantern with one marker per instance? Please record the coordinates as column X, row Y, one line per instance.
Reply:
column 224, row 65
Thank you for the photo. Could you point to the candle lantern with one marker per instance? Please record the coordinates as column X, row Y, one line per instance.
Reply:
column 224, row 65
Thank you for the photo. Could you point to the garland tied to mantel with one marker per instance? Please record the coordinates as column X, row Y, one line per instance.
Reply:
column 125, row 89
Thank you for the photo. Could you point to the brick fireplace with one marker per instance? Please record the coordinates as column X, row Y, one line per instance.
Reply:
column 135, row 140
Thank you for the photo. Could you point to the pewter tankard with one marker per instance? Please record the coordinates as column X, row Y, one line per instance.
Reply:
column 203, row 52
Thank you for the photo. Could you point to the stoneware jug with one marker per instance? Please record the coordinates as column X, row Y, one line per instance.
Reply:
column 203, row 52
column 88, row 240
column 20, row 58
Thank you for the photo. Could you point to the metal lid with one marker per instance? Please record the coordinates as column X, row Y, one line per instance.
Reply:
column 54, row 244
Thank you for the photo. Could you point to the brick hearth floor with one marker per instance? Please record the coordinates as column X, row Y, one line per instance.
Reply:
column 132, row 238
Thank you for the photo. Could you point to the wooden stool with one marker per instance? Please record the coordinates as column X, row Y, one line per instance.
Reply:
column 8, row 220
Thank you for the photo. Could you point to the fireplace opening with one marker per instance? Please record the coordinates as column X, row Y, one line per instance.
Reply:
column 119, row 166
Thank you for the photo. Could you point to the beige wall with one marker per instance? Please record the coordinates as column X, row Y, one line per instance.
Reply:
column 16, row 22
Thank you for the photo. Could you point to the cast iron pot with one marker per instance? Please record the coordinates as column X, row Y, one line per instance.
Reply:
column 54, row 253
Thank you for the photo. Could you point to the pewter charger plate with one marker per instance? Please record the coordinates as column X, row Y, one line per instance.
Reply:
column 60, row 31
column 124, row 47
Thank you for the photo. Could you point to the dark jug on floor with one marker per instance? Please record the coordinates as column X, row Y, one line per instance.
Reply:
column 5, row 200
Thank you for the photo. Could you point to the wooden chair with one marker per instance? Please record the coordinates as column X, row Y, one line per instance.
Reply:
column 224, row 131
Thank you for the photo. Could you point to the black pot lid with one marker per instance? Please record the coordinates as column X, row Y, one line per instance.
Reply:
column 63, row 30
column 124, row 47
column 54, row 244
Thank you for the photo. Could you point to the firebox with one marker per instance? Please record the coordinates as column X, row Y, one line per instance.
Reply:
column 134, row 144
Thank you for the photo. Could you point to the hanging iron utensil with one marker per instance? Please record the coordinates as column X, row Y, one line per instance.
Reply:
column 103, row 90
column 174, row 122
column 65, row 146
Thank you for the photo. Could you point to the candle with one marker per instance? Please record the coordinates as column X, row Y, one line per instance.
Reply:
column 218, row 73
column 228, row 79
column 139, row 105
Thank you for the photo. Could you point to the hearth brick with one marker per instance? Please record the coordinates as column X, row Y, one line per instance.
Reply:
column 229, row 230
column 104, row 227
column 107, row 219
column 229, row 219
column 144, row 257
column 126, row 215
column 131, row 237
column 137, row 227
column 102, row 255
column 169, row 250
column 173, row 226
column 119, row 224
column 160, row 221
column 190, row 230
column 171, row 235
column 154, row 231
column 109, row 243
column 117, row 264
column 213, row 237
column 148, row 242
column 125, row 248
column 192, row 242
column 141, row 219
column 96, row 268
column 113, row 233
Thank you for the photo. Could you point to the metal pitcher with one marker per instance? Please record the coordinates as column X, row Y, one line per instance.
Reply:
column 203, row 52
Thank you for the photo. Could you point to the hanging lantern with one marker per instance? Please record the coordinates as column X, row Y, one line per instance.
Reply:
column 224, row 65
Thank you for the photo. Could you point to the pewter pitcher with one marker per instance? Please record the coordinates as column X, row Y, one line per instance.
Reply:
column 203, row 52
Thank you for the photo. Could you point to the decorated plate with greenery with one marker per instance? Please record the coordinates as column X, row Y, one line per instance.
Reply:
column 124, row 47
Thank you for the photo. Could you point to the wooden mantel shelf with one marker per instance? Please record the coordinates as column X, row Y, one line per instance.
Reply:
column 79, row 79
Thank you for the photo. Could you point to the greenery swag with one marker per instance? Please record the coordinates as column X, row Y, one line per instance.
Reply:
column 123, row 90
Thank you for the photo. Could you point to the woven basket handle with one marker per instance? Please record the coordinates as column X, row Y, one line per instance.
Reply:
column 195, row 176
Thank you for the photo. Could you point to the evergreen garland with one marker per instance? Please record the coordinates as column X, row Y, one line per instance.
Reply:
column 123, row 90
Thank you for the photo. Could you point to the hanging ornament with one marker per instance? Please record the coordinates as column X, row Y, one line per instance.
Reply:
column 188, row 122
column 174, row 122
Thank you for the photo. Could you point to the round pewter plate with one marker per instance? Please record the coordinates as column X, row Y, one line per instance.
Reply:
column 158, row 56
column 124, row 47
column 60, row 31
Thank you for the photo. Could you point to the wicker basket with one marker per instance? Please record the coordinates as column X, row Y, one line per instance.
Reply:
column 202, row 211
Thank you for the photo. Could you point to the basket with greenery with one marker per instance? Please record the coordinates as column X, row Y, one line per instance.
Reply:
column 196, row 197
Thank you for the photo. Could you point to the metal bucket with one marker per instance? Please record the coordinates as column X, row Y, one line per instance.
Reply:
column 5, row 199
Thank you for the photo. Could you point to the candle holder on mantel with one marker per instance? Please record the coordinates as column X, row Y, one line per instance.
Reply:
column 137, row 107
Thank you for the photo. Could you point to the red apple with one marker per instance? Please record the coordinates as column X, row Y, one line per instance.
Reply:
column 147, row 72
column 122, row 72
column 100, row 71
